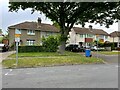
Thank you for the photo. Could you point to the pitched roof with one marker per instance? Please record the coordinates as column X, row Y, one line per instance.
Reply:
column 99, row 32
column 82, row 30
column 115, row 34
column 88, row 31
column 34, row 26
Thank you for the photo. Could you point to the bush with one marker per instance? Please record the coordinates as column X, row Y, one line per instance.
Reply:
column 30, row 48
column 50, row 44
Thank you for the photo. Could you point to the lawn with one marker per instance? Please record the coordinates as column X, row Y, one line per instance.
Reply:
column 49, row 59
column 109, row 52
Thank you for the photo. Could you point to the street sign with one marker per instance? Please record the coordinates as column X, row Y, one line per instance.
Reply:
column 17, row 39
column 17, row 31
column 17, row 35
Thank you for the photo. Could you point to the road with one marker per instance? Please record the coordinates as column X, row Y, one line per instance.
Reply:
column 75, row 76
column 3, row 56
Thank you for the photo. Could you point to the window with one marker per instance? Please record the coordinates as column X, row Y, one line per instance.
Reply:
column 81, row 35
column 31, row 32
column 101, row 36
column 89, row 35
column 106, row 37
column 46, row 34
column 30, row 42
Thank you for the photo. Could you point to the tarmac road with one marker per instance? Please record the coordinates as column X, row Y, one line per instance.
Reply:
column 75, row 76
column 107, row 58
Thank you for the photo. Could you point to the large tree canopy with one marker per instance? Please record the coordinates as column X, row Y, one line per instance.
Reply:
column 66, row 14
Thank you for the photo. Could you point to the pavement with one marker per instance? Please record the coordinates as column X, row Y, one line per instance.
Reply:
column 4, row 55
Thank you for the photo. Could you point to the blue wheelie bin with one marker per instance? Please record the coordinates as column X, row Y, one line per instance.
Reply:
column 88, row 53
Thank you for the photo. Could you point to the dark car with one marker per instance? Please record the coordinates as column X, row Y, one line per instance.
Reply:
column 5, row 48
column 74, row 48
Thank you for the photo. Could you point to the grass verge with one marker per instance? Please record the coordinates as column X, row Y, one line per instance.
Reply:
column 49, row 59
column 109, row 53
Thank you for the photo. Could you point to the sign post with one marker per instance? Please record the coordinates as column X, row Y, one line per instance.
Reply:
column 17, row 40
column 97, row 44
column 16, row 53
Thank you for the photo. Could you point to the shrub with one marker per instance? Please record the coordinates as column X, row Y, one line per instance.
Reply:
column 50, row 44
column 30, row 48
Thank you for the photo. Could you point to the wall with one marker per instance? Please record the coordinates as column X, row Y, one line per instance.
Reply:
column 11, row 36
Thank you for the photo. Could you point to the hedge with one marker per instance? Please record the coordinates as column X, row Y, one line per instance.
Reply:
column 30, row 49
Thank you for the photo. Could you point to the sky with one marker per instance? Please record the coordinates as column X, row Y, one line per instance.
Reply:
column 11, row 18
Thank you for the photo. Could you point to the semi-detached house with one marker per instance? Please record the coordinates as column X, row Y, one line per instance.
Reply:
column 86, row 36
column 115, row 37
column 31, row 33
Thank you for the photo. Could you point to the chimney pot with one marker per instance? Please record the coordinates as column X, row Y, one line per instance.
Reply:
column 90, row 27
column 39, row 22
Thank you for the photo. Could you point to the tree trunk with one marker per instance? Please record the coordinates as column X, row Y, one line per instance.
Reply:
column 62, row 47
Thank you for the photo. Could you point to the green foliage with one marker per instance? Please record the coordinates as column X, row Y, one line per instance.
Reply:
column 30, row 49
column 113, row 46
column 1, row 38
column 0, row 31
column 50, row 44
column 67, row 12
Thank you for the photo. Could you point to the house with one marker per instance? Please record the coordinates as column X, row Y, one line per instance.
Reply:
column 31, row 33
column 86, row 36
column 115, row 37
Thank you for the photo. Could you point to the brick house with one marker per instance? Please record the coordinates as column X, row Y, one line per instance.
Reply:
column 31, row 32
column 86, row 36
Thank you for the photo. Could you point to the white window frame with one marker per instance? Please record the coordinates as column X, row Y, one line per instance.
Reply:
column 30, row 42
column 31, row 32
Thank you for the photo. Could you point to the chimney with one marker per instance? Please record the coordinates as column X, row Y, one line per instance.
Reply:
column 90, row 27
column 39, row 22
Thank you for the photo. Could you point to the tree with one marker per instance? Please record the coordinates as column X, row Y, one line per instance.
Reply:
column 66, row 14
column 0, row 31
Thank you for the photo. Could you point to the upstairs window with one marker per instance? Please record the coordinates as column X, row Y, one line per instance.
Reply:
column 81, row 35
column 106, row 37
column 31, row 32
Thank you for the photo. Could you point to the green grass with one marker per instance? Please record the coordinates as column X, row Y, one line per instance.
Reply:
column 43, row 54
column 109, row 53
column 49, row 59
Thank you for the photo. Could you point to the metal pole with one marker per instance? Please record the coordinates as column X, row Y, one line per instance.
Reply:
column 16, row 53
column 97, row 47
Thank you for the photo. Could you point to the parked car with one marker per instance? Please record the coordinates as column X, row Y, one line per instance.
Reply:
column 94, row 48
column 5, row 48
column 74, row 48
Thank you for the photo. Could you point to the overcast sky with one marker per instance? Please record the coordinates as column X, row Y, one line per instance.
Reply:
column 11, row 18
